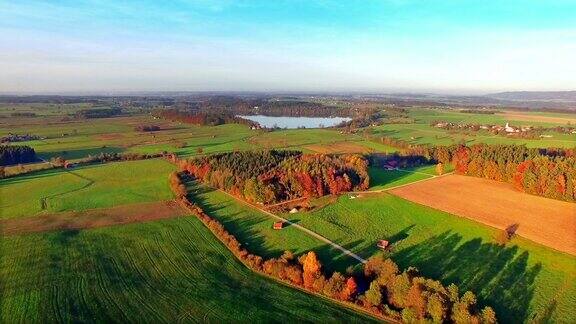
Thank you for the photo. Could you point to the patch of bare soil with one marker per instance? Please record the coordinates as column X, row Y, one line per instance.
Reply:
column 92, row 218
column 546, row 221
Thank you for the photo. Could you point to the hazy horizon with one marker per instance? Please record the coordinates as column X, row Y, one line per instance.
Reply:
column 439, row 46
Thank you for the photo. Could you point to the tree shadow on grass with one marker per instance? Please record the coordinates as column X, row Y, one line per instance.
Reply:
column 381, row 177
column 500, row 276
column 243, row 227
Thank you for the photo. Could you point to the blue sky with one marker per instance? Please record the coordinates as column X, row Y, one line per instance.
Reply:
column 276, row 45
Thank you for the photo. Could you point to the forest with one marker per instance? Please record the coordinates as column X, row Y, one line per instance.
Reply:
column 98, row 113
column 549, row 172
column 147, row 128
column 207, row 119
column 272, row 176
column 15, row 154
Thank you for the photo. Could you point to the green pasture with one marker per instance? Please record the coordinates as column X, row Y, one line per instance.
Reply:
column 77, row 139
column 422, row 115
column 425, row 134
column 41, row 109
column 86, row 187
column 166, row 271
column 254, row 228
column 384, row 179
column 421, row 132
column 522, row 281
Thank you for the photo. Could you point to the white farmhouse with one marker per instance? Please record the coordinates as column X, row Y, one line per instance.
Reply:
column 510, row 129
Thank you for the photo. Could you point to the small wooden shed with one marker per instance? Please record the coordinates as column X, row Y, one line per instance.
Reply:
column 383, row 244
column 278, row 225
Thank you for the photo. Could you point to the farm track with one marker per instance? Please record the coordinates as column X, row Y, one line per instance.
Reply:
column 301, row 228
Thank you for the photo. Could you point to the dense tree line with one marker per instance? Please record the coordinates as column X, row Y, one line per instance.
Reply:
column 209, row 119
column 552, row 176
column 18, row 138
column 548, row 172
column 479, row 111
column 276, row 108
column 15, row 154
column 272, row 176
column 98, row 113
column 147, row 128
column 395, row 294
column 23, row 114
column 292, row 107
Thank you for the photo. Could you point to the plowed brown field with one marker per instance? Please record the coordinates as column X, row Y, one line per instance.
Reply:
column 546, row 221
column 92, row 218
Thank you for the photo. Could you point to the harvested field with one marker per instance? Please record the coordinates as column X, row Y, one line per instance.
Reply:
column 542, row 220
column 538, row 118
column 92, row 218
column 340, row 147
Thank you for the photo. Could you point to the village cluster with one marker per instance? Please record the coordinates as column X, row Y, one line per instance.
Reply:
column 504, row 129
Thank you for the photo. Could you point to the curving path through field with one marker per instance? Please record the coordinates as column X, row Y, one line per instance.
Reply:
column 302, row 228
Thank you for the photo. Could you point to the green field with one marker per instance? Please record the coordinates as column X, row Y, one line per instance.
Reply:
column 254, row 228
column 175, row 270
column 75, row 139
column 520, row 281
column 420, row 132
column 167, row 271
column 78, row 139
column 384, row 179
column 86, row 187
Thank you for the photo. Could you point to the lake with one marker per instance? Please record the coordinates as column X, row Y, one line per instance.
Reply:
column 296, row 122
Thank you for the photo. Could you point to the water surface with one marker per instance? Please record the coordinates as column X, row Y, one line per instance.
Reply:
column 296, row 122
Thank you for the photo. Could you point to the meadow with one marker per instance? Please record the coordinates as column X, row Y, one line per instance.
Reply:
column 163, row 272
column 522, row 280
column 441, row 245
column 175, row 270
column 85, row 187
column 420, row 132
column 76, row 139
column 385, row 179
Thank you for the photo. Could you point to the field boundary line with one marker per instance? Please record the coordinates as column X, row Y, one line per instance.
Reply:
column 402, row 185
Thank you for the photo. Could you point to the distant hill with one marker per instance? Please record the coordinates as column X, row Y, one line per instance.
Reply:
column 535, row 95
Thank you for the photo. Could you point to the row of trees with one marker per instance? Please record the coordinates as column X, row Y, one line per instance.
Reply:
column 479, row 111
column 548, row 172
column 200, row 118
column 15, row 154
column 548, row 176
column 98, row 113
column 401, row 295
column 147, row 128
column 272, row 176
